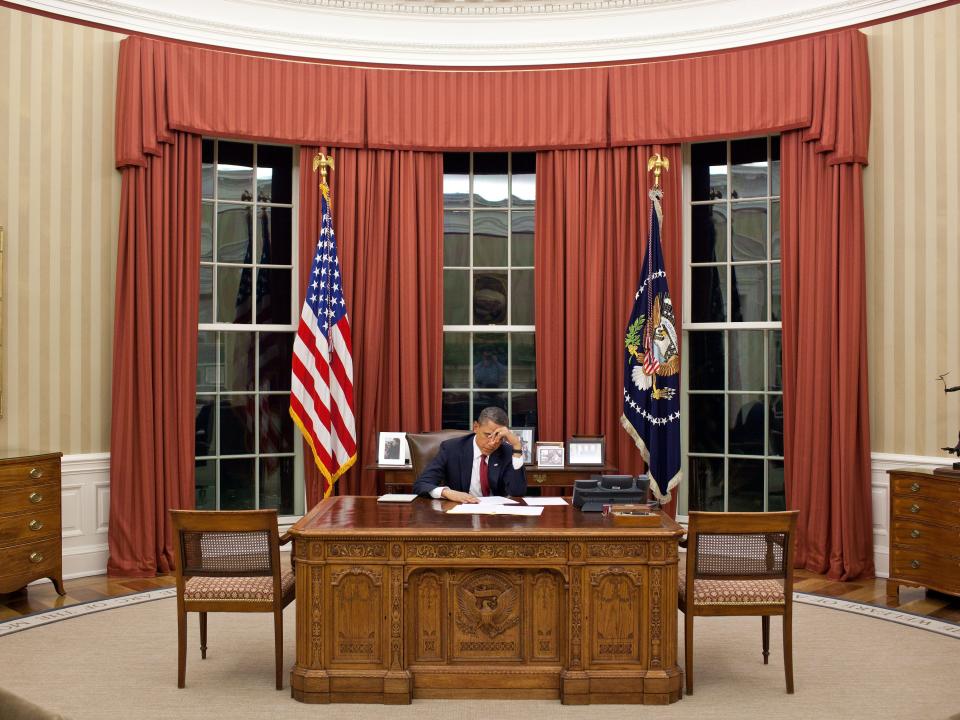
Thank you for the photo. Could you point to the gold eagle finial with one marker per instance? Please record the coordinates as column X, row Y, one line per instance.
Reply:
column 323, row 162
column 657, row 163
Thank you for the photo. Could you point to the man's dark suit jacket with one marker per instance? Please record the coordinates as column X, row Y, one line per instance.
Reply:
column 454, row 463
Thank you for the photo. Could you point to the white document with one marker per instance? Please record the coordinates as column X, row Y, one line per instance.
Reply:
column 519, row 510
column 487, row 509
column 496, row 500
column 397, row 497
column 545, row 501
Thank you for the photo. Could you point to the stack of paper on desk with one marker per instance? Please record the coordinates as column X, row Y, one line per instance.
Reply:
column 397, row 497
column 544, row 501
column 487, row 508
column 496, row 500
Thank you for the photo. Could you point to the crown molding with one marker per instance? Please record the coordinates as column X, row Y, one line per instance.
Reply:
column 477, row 33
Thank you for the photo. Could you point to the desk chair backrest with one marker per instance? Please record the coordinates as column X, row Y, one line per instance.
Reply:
column 425, row 446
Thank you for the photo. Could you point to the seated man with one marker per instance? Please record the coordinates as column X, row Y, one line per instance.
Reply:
column 489, row 462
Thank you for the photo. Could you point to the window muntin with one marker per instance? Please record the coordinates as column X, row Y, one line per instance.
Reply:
column 733, row 396
column 489, row 351
column 246, row 451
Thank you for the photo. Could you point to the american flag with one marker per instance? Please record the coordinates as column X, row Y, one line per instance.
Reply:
column 321, row 394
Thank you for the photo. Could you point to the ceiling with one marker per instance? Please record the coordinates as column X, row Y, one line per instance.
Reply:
column 478, row 32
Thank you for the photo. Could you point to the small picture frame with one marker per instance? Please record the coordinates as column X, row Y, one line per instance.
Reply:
column 392, row 449
column 526, row 438
column 549, row 454
column 583, row 450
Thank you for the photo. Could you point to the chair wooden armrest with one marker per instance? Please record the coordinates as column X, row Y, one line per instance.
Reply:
column 285, row 538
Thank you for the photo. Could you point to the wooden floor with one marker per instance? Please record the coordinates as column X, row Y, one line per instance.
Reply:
column 42, row 596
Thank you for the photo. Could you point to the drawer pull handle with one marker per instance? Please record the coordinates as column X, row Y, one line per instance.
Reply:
column 914, row 564
column 36, row 557
column 915, row 487
column 36, row 473
column 914, row 533
column 36, row 497
column 36, row 525
column 914, row 508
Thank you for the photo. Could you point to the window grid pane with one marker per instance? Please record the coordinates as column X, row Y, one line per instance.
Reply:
column 733, row 439
column 488, row 288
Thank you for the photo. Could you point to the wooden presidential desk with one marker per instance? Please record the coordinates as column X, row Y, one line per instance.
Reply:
column 401, row 601
column 399, row 478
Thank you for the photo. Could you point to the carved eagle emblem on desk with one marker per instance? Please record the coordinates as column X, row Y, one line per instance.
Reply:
column 487, row 604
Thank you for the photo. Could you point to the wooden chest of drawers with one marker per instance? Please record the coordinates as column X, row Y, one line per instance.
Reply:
column 30, row 541
column 924, row 532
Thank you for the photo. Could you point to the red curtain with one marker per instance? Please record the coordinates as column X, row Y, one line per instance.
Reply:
column 592, row 224
column 826, row 415
column 154, row 356
column 388, row 217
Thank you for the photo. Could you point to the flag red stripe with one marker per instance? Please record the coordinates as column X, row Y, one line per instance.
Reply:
column 318, row 447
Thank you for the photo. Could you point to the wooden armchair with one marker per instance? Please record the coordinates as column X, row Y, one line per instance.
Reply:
column 229, row 562
column 739, row 564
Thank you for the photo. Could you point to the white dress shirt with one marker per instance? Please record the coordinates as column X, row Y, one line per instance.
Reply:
column 475, row 473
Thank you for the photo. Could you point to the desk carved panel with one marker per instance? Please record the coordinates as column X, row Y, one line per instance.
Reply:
column 486, row 550
column 358, row 612
column 616, row 604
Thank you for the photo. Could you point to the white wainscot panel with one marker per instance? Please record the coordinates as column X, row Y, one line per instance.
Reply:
column 85, row 493
column 71, row 509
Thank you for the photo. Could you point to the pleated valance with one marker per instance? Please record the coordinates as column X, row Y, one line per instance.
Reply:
column 820, row 84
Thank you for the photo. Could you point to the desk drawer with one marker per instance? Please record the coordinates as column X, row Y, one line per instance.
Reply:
column 31, row 499
column 921, row 536
column 920, row 508
column 925, row 486
column 42, row 471
column 29, row 526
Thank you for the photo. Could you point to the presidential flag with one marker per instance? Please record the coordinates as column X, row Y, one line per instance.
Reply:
column 651, row 368
column 321, row 394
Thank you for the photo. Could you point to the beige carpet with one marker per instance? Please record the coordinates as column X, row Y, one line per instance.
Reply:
column 122, row 664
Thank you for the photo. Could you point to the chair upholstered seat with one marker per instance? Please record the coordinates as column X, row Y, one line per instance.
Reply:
column 732, row 592
column 254, row 589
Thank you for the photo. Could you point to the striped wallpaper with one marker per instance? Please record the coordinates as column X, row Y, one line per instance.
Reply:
column 59, row 203
column 912, row 208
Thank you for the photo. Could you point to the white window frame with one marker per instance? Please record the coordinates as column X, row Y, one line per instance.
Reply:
column 255, row 327
column 725, row 327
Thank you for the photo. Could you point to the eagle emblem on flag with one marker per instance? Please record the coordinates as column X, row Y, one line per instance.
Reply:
column 655, row 348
